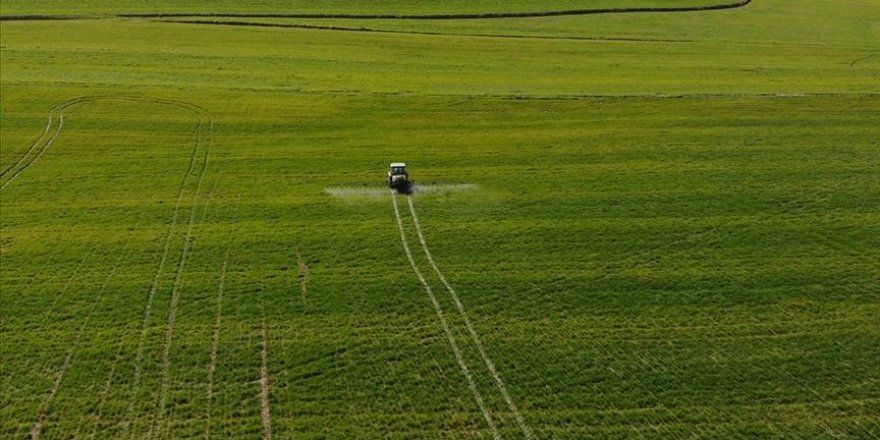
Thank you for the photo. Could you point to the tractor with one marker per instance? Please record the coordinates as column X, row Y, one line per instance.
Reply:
column 398, row 178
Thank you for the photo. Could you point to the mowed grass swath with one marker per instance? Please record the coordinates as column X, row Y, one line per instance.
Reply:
column 669, row 229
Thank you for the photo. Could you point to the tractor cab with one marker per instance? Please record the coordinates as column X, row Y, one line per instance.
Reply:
column 397, row 169
column 398, row 178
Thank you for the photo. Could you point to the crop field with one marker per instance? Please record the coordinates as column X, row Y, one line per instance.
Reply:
column 633, row 219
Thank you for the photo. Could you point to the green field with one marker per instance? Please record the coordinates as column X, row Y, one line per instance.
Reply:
column 632, row 226
column 385, row 7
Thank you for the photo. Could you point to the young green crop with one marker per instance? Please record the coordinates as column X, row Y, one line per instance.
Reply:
column 659, row 239
column 392, row 7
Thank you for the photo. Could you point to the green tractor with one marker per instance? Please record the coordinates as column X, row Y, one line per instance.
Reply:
column 398, row 178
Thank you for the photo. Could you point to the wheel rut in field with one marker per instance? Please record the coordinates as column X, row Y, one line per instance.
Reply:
column 196, row 169
column 478, row 397
column 447, row 329
column 265, row 412
column 215, row 344
column 55, row 125
column 29, row 149
column 176, row 287
column 46, row 404
column 470, row 327
column 205, row 119
column 204, row 139
column 148, row 308
column 302, row 275
column 38, row 147
column 49, row 399
column 32, row 154
column 44, row 411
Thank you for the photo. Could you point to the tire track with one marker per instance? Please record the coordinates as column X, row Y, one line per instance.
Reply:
column 105, row 390
column 39, row 155
column 303, row 275
column 449, row 336
column 178, row 278
column 470, row 328
column 812, row 390
column 47, row 402
column 69, row 281
column 35, row 431
column 30, row 149
column 265, row 413
column 154, row 285
column 43, row 410
column 215, row 343
column 864, row 58
column 22, row 162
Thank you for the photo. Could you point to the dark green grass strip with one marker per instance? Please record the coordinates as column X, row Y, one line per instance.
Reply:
column 41, row 17
column 736, row 4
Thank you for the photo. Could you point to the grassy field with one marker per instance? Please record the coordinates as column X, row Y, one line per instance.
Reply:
column 669, row 225
column 406, row 7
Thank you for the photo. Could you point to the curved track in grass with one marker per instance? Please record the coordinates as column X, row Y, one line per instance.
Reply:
column 55, row 124
column 39, row 147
